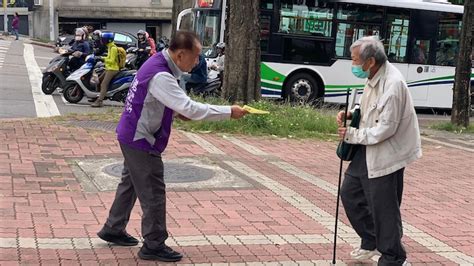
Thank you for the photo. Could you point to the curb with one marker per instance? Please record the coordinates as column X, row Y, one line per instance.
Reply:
column 42, row 44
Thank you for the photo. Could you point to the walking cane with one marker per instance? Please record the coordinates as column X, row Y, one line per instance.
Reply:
column 339, row 186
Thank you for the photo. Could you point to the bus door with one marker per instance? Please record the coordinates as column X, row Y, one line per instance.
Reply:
column 422, row 53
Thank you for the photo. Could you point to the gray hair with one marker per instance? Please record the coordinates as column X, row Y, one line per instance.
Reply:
column 370, row 46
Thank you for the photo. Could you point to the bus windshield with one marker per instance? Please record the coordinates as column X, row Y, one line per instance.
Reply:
column 207, row 27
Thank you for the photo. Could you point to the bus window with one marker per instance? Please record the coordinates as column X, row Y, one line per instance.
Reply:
column 307, row 51
column 423, row 36
column 360, row 13
column 349, row 33
column 396, row 35
column 266, row 4
column 265, row 27
column 448, row 39
column 309, row 17
column 420, row 52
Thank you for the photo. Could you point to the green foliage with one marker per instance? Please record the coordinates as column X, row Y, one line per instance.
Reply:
column 448, row 126
column 284, row 120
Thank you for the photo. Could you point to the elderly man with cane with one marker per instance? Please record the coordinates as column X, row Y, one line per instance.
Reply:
column 389, row 140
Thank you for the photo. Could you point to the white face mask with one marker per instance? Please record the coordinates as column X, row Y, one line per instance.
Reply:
column 78, row 38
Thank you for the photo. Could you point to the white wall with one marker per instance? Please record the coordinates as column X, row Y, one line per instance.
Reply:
column 132, row 28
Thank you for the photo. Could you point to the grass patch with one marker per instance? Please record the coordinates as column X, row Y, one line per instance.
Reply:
column 448, row 126
column 284, row 120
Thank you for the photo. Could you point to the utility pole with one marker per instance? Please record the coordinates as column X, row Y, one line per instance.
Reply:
column 5, row 17
column 462, row 81
column 51, row 20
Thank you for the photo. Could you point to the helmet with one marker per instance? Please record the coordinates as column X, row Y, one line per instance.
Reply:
column 220, row 45
column 96, row 34
column 90, row 29
column 141, row 33
column 107, row 37
column 80, row 34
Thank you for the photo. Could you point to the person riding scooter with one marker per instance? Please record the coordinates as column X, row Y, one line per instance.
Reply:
column 144, row 48
column 79, row 50
column 219, row 65
column 97, row 46
column 111, row 66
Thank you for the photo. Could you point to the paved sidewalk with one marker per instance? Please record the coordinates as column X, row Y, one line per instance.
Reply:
column 277, row 206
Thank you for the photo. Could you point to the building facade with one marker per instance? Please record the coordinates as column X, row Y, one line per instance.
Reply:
column 154, row 16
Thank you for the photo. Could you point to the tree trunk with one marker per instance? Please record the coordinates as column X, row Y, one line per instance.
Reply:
column 242, row 58
column 462, row 96
column 178, row 6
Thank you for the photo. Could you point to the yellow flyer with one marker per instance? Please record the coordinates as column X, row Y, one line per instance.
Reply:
column 252, row 110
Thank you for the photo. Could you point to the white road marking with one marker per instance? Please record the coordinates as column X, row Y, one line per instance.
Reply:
column 44, row 104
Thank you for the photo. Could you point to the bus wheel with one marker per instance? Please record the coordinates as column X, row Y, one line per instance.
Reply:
column 301, row 88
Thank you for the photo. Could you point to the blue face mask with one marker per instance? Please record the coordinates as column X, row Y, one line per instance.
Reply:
column 359, row 72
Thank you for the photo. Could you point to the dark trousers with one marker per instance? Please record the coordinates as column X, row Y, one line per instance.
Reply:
column 142, row 177
column 373, row 208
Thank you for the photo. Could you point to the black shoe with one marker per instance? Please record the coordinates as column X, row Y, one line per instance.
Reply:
column 166, row 254
column 121, row 240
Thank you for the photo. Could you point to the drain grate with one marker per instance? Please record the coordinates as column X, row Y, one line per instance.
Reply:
column 174, row 172
column 107, row 126
column 189, row 173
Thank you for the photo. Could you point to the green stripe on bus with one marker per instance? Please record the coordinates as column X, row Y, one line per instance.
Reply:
column 438, row 78
column 270, row 74
column 344, row 86
column 269, row 85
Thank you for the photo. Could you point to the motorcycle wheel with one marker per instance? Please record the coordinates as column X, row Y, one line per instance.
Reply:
column 73, row 93
column 49, row 84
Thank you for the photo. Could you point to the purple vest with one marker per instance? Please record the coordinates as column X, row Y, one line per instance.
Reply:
column 127, row 126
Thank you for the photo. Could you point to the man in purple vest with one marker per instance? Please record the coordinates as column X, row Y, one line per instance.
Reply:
column 143, row 132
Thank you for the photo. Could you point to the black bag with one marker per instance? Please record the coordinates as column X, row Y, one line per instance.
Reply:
column 346, row 151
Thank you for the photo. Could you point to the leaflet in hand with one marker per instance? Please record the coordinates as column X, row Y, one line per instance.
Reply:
column 252, row 110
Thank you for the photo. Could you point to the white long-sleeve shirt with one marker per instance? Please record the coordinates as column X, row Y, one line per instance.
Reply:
column 165, row 88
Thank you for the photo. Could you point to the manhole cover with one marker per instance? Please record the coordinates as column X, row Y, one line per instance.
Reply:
column 174, row 172
column 188, row 173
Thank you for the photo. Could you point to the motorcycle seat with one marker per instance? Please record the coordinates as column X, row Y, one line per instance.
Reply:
column 125, row 73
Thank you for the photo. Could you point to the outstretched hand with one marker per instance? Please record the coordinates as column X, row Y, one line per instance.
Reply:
column 237, row 112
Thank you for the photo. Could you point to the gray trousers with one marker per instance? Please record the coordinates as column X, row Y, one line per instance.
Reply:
column 142, row 177
column 373, row 208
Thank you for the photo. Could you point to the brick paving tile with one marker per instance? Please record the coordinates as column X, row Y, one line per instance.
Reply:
column 43, row 203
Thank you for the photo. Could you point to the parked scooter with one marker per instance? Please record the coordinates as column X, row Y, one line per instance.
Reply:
column 81, row 83
column 55, row 74
column 211, row 88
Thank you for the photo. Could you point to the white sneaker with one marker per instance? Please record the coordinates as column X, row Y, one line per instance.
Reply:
column 363, row 254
